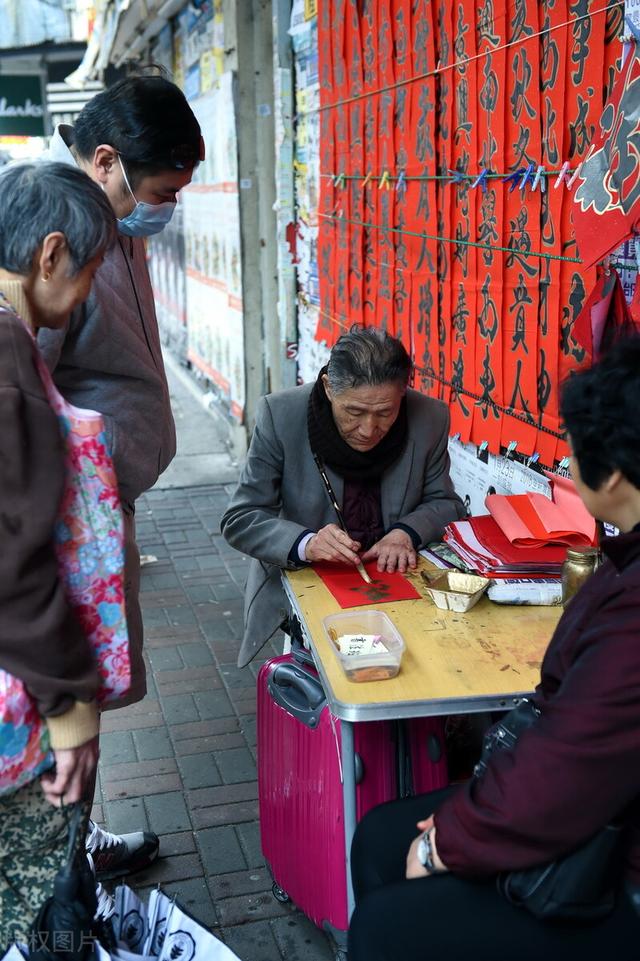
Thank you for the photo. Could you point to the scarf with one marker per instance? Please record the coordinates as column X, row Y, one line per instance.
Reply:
column 353, row 465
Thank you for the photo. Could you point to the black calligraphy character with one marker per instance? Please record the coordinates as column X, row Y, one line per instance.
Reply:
column 518, row 400
column 400, row 39
column 489, row 89
column 522, row 74
column 384, row 44
column 384, row 280
column 613, row 22
column 546, row 222
column 369, row 125
column 423, row 209
column 386, row 101
column 568, row 344
column 400, row 294
column 460, row 314
column 488, row 227
column 341, row 126
column 580, row 133
column 519, row 26
column 424, row 144
column 549, row 141
column 457, row 385
column 401, row 245
column 488, row 320
column 521, row 146
column 443, row 258
column 368, row 7
column 443, row 32
column 581, row 32
column 485, row 402
column 464, row 125
column 459, row 45
column 521, row 297
column 544, row 386
column 485, row 22
column 550, row 60
column 420, row 46
column 461, row 249
column 386, row 238
column 543, row 307
column 369, row 60
column 342, row 283
column 400, row 109
column 519, row 243
column 425, row 307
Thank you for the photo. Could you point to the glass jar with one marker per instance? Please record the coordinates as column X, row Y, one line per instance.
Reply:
column 580, row 564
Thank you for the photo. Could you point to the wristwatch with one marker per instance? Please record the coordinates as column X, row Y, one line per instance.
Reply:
column 425, row 853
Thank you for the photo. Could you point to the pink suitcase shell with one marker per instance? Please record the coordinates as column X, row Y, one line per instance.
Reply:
column 425, row 751
column 300, row 790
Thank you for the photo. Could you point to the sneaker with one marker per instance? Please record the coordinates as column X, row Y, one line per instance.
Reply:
column 105, row 902
column 115, row 855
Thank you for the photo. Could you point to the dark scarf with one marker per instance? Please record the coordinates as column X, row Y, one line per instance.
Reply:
column 353, row 465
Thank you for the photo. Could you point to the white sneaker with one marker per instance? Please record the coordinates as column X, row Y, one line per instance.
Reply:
column 106, row 902
column 116, row 855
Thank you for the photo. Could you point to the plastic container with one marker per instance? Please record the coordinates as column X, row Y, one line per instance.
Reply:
column 381, row 663
column 455, row 591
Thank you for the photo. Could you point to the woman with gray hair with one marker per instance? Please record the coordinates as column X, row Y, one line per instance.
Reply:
column 383, row 448
column 55, row 227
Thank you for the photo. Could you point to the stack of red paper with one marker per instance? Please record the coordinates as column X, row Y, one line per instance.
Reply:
column 481, row 545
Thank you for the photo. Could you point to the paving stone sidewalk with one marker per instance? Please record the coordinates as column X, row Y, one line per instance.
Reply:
column 183, row 761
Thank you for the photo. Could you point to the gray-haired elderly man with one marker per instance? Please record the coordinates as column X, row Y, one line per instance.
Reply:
column 383, row 447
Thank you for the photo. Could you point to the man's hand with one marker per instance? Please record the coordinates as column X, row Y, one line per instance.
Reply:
column 331, row 543
column 73, row 772
column 394, row 552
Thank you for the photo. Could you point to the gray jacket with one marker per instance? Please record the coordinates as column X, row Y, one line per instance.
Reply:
column 281, row 494
column 108, row 359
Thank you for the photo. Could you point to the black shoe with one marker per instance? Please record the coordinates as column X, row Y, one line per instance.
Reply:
column 116, row 855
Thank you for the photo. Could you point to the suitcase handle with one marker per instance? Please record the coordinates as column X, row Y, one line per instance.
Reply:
column 297, row 692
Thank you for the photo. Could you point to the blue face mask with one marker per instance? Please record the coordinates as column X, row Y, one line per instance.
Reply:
column 145, row 219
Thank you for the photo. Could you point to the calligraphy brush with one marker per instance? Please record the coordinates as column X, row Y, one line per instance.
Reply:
column 332, row 497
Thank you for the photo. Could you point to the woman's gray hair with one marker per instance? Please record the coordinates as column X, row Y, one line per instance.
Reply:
column 37, row 199
column 367, row 355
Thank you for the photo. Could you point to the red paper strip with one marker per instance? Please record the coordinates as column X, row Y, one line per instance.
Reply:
column 350, row 590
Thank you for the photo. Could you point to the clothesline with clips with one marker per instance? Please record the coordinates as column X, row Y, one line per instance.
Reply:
column 458, row 241
column 532, row 175
column 457, row 64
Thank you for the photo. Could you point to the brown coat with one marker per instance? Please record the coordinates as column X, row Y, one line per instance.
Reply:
column 40, row 640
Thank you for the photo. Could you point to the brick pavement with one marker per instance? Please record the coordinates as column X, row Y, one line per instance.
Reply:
column 183, row 761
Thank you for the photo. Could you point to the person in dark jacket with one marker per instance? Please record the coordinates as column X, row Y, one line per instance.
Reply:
column 141, row 143
column 55, row 228
column 424, row 870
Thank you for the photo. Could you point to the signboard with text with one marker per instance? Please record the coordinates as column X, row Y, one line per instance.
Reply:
column 21, row 106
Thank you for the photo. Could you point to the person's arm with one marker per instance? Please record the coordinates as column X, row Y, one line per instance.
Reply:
column 251, row 522
column 40, row 640
column 570, row 774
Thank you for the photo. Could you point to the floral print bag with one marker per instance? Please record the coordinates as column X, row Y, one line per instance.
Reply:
column 89, row 542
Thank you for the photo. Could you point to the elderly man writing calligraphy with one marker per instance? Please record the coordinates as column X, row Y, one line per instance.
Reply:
column 383, row 447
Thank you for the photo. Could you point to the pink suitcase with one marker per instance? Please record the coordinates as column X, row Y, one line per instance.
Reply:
column 425, row 751
column 300, row 790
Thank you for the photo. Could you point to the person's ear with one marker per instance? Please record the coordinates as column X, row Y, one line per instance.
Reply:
column 612, row 482
column 327, row 389
column 105, row 160
column 51, row 253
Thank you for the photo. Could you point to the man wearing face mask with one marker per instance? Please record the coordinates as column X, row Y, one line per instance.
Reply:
column 140, row 141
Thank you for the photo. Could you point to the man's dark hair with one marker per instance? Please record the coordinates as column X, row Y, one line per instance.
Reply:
column 147, row 120
column 601, row 411
column 367, row 355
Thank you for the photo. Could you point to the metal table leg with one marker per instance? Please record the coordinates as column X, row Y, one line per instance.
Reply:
column 349, row 796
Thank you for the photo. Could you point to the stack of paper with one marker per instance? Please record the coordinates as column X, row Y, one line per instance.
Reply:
column 531, row 520
column 483, row 547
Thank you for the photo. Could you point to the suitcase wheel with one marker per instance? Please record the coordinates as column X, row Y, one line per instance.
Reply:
column 279, row 894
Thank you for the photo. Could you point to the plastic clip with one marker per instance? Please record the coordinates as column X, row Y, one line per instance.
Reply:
column 482, row 446
column 574, row 175
column 511, row 448
column 456, row 176
column 526, row 176
column 540, row 180
column 535, row 457
column 455, row 436
column 481, row 180
column 514, row 178
column 562, row 176
column 338, row 180
column 402, row 183
column 564, row 463
column 366, row 180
